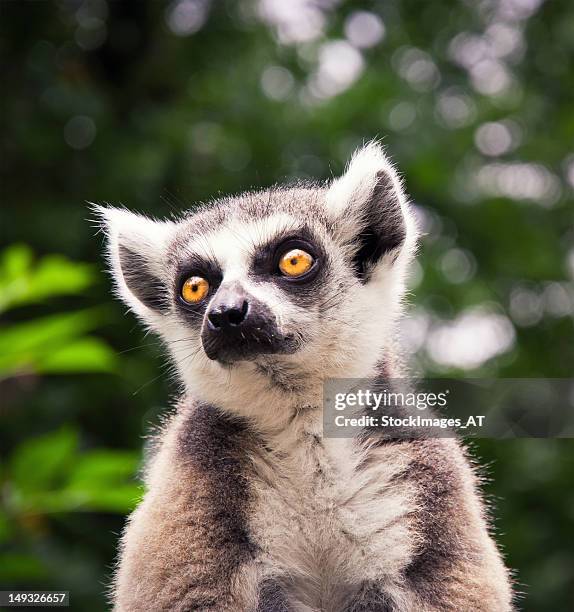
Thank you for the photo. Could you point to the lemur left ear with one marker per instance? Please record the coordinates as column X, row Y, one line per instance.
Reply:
column 369, row 211
column 137, row 252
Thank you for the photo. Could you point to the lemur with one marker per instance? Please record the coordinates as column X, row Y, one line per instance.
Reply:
column 259, row 299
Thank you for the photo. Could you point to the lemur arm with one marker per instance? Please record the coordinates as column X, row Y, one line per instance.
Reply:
column 456, row 567
column 186, row 546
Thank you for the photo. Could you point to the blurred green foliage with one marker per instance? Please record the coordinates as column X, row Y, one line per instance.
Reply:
column 49, row 475
column 55, row 343
column 157, row 105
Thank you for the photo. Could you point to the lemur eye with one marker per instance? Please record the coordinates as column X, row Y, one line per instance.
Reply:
column 194, row 289
column 295, row 263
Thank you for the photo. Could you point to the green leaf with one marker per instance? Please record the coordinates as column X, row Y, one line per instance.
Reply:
column 43, row 462
column 119, row 498
column 15, row 262
column 104, row 467
column 54, row 275
column 47, row 330
column 52, row 344
column 84, row 355
column 104, row 479
column 49, row 475
column 81, row 497
column 57, row 275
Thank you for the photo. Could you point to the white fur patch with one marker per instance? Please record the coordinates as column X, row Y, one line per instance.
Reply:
column 324, row 524
column 357, row 183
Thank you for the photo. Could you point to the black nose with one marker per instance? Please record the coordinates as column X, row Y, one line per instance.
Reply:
column 239, row 327
column 225, row 316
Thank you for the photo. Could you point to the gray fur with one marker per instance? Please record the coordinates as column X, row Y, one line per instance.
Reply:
column 248, row 507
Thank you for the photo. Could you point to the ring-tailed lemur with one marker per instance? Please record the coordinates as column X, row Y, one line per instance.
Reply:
column 259, row 299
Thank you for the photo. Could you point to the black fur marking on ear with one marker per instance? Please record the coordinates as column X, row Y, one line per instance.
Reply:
column 141, row 282
column 384, row 229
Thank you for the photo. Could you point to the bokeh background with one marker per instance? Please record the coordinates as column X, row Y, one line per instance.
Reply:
column 157, row 105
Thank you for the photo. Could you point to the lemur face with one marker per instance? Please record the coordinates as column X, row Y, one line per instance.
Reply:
column 248, row 281
column 304, row 278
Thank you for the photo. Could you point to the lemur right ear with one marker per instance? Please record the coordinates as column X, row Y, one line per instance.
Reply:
column 370, row 213
column 137, row 249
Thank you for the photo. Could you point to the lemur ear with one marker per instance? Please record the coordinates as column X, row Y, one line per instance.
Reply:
column 136, row 248
column 369, row 211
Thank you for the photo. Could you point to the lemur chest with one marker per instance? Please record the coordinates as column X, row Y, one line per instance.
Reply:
column 320, row 511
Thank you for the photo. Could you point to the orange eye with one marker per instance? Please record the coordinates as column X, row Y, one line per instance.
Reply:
column 194, row 289
column 295, row 263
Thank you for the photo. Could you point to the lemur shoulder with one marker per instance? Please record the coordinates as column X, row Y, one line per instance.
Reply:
column 259, row 299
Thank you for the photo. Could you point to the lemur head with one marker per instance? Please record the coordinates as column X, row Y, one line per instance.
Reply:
column 276, row 287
